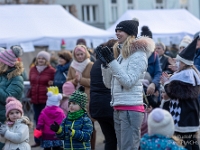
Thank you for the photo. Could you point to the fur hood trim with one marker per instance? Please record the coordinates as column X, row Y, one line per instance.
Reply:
column 181, row 90
column 143, row 44
column 18, row 69
column 27, row 121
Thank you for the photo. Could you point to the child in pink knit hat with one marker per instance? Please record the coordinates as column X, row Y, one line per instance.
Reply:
column 68, row 89
column 15, row 133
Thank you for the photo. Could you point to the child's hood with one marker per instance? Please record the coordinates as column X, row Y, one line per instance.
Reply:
column 158, row 142
column 53, row 112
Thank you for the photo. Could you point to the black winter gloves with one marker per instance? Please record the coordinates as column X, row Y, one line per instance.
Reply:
column 55, row 127
column 100, row 56
column 104, row 54
column 107, row 54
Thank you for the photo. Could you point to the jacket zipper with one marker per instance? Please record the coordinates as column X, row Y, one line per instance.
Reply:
column 119, row 59
column 71, row 136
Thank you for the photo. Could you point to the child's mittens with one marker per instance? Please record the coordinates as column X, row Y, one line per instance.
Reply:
column 3, row 129
column 55, row 127
column 37, row 133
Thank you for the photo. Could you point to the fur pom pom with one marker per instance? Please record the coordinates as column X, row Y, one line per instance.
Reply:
column 59, row 97
column 17, row 50
column 145, row 29
column 49, row 94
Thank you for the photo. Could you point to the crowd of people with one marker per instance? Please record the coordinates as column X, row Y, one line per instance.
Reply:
column 143, row 95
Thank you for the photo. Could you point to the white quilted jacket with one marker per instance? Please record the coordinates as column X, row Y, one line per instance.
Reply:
column 16, row 137
column 124, row 78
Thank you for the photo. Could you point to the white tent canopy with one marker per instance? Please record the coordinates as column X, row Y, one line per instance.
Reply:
column 30, row 25
column 168, row 26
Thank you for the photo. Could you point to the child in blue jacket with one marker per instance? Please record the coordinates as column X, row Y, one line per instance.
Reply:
column 160, row 132
column 77, row 128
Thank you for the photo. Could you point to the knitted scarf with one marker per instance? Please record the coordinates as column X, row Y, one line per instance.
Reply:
column 76, row 115
column 80, row 66
column 40, row 68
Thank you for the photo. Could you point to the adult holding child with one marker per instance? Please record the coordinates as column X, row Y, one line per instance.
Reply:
column 123, row 76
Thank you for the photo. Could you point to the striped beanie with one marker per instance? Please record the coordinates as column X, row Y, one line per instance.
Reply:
column 10, row 57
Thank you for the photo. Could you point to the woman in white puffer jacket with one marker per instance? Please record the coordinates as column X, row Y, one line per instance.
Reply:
column 123, row 75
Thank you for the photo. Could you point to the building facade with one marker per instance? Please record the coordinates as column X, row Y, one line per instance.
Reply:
column 103, row 13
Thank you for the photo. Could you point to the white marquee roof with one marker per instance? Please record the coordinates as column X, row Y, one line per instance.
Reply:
column 30, row 25
column 166, row 25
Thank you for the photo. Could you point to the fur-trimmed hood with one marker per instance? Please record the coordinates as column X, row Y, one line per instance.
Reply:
column 15, row 71
column 181, row 90
column 140, row 44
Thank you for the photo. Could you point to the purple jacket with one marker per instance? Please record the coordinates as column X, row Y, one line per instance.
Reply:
column 47, row 117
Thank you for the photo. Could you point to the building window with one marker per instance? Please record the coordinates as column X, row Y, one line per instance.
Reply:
column 130, row 4
column 130, row 1
column 183, row 4
column 159, row 1
column 71, row 9
column 159, row 4
column 113, row 1
column 89, row 13
column 66, row 7
column 114, row 15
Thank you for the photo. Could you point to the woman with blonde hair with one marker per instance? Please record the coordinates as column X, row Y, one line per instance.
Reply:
column 123, row 76
column 79, row 74
column 11, row 81
column 79, row 71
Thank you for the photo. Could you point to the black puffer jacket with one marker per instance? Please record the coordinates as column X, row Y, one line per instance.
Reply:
column 100, row 96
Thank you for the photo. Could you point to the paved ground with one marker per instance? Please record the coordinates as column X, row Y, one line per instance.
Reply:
column 99, row 140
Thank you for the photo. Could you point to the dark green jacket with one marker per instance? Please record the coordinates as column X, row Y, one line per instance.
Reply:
column 11, row 84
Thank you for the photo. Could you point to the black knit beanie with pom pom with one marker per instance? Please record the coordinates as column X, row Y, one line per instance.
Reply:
column 146, row 32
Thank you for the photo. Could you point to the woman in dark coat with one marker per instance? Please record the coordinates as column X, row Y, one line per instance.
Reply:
column 100, row 98
column 64, row 61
